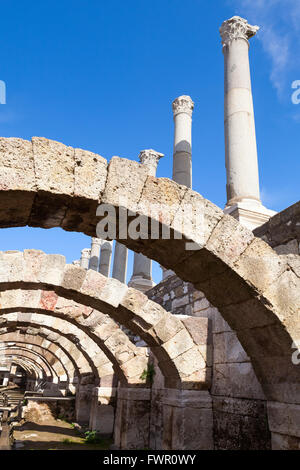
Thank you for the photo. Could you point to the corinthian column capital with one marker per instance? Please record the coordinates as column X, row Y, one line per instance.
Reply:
column 183, row 104
column 236, row 28
column 150, row 157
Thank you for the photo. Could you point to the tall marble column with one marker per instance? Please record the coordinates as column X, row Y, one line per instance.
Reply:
column 120, row 262
column 105, row 257
column 182, row 155
column 95, row 253
column 85, row 257
column 243, row 195
column 141, row 278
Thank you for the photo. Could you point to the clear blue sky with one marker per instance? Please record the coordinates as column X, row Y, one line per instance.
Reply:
column 101, row 75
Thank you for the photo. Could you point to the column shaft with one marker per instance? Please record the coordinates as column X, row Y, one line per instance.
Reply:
column 95, row 253
column 182, row 155
column 120, row 262
column 240, row 138
column 243, row 196
column 105, row 258
column 141, row 278
column 85, row 256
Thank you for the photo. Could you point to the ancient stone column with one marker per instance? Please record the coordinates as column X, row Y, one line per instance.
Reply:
column 95, row 253
column 120, row 262
column 85, row 257
column 243, row 196
column 105, row 257
column 141, row 278
column 182, row 155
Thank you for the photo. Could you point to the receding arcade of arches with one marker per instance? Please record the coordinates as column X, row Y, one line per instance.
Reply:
column 46, row 184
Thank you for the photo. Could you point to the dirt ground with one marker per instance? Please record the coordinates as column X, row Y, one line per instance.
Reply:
column 53, row 435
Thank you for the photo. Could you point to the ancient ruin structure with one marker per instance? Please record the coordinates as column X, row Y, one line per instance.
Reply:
column 207, row 358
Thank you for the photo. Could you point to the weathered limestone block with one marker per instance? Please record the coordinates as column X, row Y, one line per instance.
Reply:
column 83, row 402
column 187, row 420
column 282, row 230
column 90, row 174
column 236, row 380
column 132, row 418
column 11, row 266
column 17, row 174
column 240, row 424
column 283, row 442
column 291, row 247
column 229, row 239
column 227, row 348
column 167, row 328
column 54, row 165
column 125, row 182
column 260, row 265
column 73, row 277
column 286, row 300
column 284, row 419
column 54, row 172
column 113, row 293
column 163, row 193
column 90, row 177
column 16, row 163
column 196, row 217
column 134, row 369
column 179, row 344
column 52, row 269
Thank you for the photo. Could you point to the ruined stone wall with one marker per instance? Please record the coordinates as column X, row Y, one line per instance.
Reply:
column 239, row 405
column 282, row 231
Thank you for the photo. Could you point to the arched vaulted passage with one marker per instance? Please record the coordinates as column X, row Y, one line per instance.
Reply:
column 82, row 334
column 69, row 337
column 47, row 184
column 41, row 341
column 48, row 371
column 179, row 356
column 54, row 366
column 43, row 346
column 34, row 368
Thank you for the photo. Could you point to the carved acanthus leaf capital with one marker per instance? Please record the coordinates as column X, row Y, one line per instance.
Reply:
column 150, row 157
column 236, row 28
column 86, row 253
column 183, row 104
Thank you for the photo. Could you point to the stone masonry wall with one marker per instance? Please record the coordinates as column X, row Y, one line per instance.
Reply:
column 239, row 405
column 282, row 231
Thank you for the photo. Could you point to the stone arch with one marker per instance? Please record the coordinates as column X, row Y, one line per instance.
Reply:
column 40, row 369
column 29, row 368
column 53, row 363
column 61, row 329
column 39, row 343
column 178, row 354
column 40, row 340
column 129, row 361
column 47, row 184
column 49, row 371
